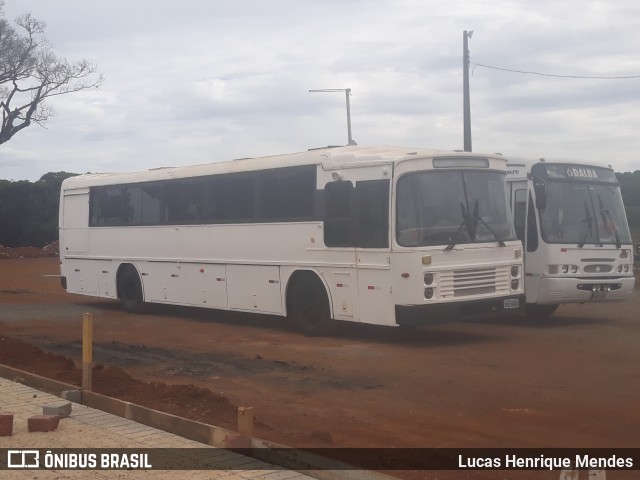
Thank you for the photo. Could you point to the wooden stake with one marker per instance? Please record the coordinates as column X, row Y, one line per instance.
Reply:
column 245, row 421
column 87, row 351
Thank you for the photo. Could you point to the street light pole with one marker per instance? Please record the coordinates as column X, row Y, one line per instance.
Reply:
column 347, row 92
column 466, row 107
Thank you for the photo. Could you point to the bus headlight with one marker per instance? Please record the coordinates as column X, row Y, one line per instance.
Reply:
column 563, row 269
column 515, row 270
column 515, row 283
column 428, row 278
column 428, row 293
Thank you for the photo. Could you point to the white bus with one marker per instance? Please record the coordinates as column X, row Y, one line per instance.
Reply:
column 381, row 235
column 571, row 219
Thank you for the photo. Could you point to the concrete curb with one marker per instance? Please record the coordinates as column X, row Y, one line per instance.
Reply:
column 290, row 458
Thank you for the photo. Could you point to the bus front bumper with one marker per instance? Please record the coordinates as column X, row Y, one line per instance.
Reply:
column 416, row 315
column 580, row 290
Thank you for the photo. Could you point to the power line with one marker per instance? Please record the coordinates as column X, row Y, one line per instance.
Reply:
column 622, row 77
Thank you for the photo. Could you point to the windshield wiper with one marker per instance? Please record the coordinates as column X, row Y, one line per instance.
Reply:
column 606, row 214
column 471, row 224
column 588, row 221
column 492, row 232
column 477, row 218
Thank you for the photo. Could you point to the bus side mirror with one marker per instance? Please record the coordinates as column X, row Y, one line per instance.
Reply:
column 540, row 187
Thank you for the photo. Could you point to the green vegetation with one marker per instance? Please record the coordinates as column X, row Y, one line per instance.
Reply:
column 630, row 186
column 29, row 210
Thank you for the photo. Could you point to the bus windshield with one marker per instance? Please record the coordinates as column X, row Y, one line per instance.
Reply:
column 452, row 207
column 583, row 213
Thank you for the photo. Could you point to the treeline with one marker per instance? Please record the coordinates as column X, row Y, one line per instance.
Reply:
column 29, row 210
column 630, row 186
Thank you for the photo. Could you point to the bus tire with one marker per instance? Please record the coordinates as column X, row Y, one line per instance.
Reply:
column 130, row 289
column 309, row 307
column 535, row 310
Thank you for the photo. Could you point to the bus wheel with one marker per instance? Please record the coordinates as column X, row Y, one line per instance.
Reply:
column 535, row 310
column 309, row 307
column 130, row 289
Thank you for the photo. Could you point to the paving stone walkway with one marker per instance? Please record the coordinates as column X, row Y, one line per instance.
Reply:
column 90, row 428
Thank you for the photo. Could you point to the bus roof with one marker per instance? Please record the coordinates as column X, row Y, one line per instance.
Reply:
column 330, row 158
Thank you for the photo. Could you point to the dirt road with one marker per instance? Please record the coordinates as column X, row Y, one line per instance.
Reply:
column 568, row 381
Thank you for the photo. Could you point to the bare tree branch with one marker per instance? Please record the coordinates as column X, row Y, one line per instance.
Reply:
column 30, row 72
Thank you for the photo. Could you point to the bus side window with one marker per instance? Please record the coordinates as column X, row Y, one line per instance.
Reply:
column 520, row 212
column 373, row 213
column 337, row 217
column 105, row 206
column 286, row 194
column 183, row 201
column 532, row 227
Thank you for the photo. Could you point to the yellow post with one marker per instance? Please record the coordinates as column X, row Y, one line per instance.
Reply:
column 245, row 421
column 87, row 350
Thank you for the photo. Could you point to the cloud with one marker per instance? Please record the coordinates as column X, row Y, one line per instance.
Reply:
column 203, row 81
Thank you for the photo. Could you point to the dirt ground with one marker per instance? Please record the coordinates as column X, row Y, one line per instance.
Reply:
column 571, row 380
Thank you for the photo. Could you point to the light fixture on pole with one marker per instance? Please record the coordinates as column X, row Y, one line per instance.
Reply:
column 466, row 107
column 347, row 92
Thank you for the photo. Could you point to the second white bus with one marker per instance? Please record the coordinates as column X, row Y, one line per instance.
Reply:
column 382, row 235
column 571, row 219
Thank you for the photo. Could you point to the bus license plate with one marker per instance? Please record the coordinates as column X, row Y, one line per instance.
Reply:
column 511, row 303
column 599, row 294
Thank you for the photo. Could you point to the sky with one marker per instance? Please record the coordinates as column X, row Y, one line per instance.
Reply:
column 198, row 81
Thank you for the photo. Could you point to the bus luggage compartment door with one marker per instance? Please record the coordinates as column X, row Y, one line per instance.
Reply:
column 254, row 288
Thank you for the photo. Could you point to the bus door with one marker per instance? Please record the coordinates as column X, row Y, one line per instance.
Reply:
column 518, row 195
column 372, row 251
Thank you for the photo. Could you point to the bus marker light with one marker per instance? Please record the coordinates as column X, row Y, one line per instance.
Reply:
column 202, row 270
column 371, row 287
column 564, row 250
column 426, row 260
column 405, row 275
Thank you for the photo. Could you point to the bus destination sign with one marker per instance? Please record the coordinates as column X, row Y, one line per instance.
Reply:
column 564, row 171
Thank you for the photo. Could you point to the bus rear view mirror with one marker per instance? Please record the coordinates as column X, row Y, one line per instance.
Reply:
column 540, row 187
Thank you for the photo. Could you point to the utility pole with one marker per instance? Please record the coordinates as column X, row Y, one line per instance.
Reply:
column 347, row 92
column 466, row 107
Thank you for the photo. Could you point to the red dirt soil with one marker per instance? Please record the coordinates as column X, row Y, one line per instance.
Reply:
column 567, row 381
column 188, row 401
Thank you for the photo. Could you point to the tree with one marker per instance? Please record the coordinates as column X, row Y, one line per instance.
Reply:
column 30, row 73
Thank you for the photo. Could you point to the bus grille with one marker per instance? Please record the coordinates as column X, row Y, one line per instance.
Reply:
column 476, row 281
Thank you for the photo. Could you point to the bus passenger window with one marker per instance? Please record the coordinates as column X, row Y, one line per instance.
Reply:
column 241, row 205
column 183, row 201
column 105, row 206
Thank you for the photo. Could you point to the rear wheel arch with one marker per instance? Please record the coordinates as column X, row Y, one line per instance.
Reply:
column 130, row 288
column 309, row 304
column 296, row 276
